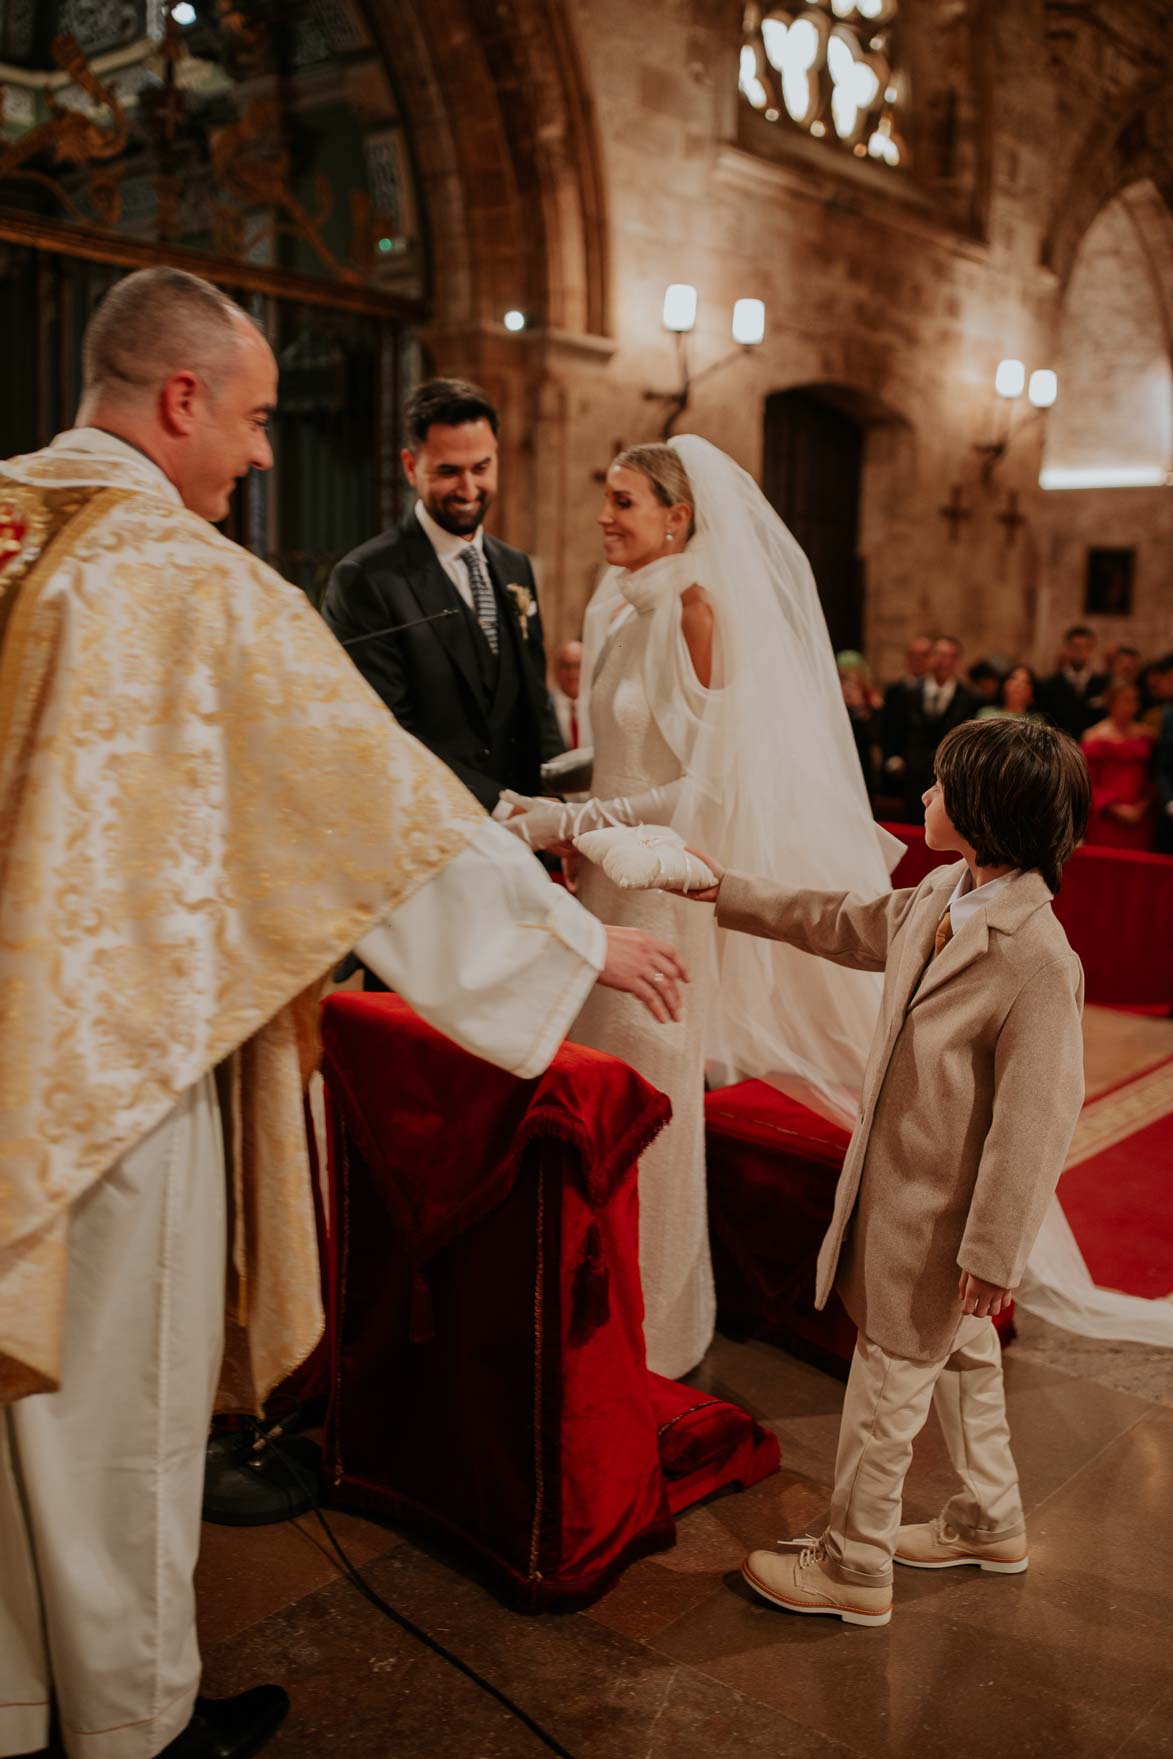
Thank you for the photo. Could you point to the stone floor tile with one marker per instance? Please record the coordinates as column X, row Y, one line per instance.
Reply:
column 926, row 1684
column 1153, row 1736
column 246, row 1573
column 1145, row 1371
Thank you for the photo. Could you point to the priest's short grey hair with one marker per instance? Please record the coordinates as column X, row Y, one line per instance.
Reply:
column 154, row 323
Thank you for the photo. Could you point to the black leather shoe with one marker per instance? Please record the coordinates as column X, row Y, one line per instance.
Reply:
column 231, row 1728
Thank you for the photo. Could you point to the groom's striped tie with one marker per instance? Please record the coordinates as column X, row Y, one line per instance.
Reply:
column 484, row 603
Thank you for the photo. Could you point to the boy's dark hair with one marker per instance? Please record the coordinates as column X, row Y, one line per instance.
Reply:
column 1017, row 791
column 1078, row 629
column 451, row 402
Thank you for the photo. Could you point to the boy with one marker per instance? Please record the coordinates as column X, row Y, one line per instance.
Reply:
column 970, row 1099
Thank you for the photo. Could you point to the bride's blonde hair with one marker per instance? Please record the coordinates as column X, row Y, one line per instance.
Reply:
column 667, row 475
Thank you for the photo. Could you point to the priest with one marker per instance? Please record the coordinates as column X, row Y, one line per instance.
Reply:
column 202, row 808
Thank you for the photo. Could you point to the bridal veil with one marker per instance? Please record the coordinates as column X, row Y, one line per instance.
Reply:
column 772, row 782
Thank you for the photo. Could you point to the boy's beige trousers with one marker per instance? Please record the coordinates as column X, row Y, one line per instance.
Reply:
column 884, row 1409
column 101, row 1482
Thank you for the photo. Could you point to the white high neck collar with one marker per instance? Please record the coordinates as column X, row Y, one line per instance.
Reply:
column 647, row 587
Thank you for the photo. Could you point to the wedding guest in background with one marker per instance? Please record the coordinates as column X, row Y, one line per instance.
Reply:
column 1073, row 696
column 984, row 681
column 897, row 698
column 1017, row 696
column 1156, row 691
column 863, row 703
column 565, row 690
column 939, row 703
column 1119, row 752
column 1123, row 663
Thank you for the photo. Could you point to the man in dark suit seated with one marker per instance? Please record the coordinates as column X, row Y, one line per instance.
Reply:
column 1073, row 697
column 939, row 703
column 471, row 684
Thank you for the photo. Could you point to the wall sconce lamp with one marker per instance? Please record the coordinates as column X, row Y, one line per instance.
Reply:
column 680, row 303
column 1010, row 381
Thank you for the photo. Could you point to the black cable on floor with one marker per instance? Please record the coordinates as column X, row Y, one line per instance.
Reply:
column 359, row 1581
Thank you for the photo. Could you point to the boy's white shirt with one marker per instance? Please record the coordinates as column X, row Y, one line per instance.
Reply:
column 968, row 899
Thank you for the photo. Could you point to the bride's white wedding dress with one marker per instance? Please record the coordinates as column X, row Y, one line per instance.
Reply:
column 632, row 756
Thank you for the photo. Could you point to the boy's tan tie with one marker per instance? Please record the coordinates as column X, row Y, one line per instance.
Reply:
column 944, row 934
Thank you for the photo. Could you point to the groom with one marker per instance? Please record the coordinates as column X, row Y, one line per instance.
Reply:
column 471, row 683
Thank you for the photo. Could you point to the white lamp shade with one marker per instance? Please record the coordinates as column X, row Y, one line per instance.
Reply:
column 514, row 320
column 679, row 306
column 1043, row 388
column 749, row 322
column 1010, row 378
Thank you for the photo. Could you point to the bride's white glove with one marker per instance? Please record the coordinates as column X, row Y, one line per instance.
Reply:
column 551, row 824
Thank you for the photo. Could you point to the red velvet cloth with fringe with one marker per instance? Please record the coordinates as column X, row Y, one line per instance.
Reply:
column 486, row 1318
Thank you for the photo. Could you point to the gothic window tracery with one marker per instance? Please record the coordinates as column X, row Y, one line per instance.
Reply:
column 829, row 68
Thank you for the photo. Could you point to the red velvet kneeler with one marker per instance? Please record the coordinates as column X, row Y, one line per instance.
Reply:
column 486, row 1312
column 772, row 1169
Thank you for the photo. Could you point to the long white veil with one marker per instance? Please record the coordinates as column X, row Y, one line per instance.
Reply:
column 772, row 780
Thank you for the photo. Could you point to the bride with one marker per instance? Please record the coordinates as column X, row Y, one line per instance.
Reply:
column 714, row 707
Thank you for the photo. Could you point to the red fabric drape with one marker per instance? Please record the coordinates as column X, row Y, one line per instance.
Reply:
column 486, row 1311
column 1117, row 908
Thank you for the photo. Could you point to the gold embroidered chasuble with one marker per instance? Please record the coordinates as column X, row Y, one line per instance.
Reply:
column 202, row 807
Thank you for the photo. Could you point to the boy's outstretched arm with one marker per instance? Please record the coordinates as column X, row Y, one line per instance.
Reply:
column 1038, row 1092
column 840, row 926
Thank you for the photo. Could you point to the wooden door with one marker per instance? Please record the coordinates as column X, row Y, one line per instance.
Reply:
column 811, row 476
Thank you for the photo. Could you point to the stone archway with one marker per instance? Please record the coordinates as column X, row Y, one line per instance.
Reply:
column 510, row 172
column 1134, row 146
column 508, row 161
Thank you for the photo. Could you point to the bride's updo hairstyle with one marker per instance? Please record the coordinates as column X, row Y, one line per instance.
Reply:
column 667, row 475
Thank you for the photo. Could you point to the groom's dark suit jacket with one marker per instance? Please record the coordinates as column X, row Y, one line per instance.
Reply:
column 488, row 716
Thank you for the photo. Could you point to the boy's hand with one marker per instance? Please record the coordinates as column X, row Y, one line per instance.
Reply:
column 709, row 895
column 980, row 1298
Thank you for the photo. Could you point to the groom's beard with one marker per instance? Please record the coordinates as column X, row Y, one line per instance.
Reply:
column 461, row 521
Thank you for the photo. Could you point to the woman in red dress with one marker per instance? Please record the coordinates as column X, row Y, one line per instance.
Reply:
column 1119, row 752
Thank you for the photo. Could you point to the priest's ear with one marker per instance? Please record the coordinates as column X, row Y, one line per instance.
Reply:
column 179, row 401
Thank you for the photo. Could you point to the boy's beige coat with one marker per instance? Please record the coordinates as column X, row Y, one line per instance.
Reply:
column 970, row 1099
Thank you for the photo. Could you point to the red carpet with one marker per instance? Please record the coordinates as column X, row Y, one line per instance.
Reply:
column 1117, row 1191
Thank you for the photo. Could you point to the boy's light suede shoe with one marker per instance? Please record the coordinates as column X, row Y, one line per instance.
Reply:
column 935, row 1545
column 801, row 1584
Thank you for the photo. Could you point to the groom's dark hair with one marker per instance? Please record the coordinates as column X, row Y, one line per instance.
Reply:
column 1017, row 791
column 451, row 402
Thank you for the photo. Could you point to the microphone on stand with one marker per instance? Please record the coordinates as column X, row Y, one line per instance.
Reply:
column 398, row 628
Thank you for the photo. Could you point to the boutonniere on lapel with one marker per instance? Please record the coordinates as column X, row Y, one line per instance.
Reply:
column 523, row 604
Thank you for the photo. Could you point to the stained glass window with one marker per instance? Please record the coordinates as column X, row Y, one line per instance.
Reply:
column 829, row 68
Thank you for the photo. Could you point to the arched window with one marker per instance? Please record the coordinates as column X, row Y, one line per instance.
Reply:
column 829, row 68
